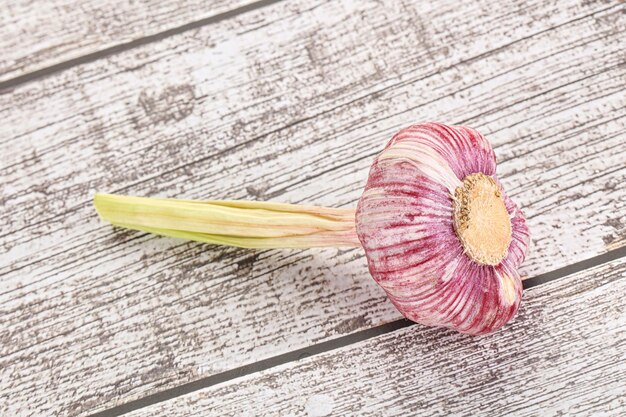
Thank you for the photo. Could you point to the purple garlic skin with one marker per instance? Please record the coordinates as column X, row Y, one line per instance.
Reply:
column 441, row 236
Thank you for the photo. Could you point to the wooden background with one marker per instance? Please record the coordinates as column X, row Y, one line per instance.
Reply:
column 290, row 100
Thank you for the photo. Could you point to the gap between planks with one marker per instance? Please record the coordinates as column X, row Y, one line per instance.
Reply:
column 330, row 345
column 6, row 86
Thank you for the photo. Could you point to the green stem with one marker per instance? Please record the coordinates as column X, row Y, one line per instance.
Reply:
column 247, row 224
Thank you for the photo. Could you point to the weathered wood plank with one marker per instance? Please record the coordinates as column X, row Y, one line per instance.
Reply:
column 565, row 354
column 93, row 317
column 34, row 36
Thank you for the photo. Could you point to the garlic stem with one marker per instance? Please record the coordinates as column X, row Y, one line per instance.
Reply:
column 247, row 224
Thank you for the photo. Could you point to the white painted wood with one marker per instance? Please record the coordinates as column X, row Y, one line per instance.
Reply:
column 37, row 35
column 290, row 103
column 563, row 355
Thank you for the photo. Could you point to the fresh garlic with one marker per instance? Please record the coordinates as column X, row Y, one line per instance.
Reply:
column 440, row 235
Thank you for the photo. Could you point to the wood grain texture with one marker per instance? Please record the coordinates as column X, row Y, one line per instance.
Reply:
column 289, row 103
column 36, row 35
column 563, row 355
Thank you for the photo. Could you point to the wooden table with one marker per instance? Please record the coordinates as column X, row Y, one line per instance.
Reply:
column 289, row 101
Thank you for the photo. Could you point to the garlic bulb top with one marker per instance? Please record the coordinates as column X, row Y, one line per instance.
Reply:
column 440, row 235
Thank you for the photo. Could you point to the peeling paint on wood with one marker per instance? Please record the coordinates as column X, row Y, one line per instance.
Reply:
column 174, row 103
column 290, row 103
column 563, row 355
column 34, row 36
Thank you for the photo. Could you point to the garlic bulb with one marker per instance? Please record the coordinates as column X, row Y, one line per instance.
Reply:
column 440, row 235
